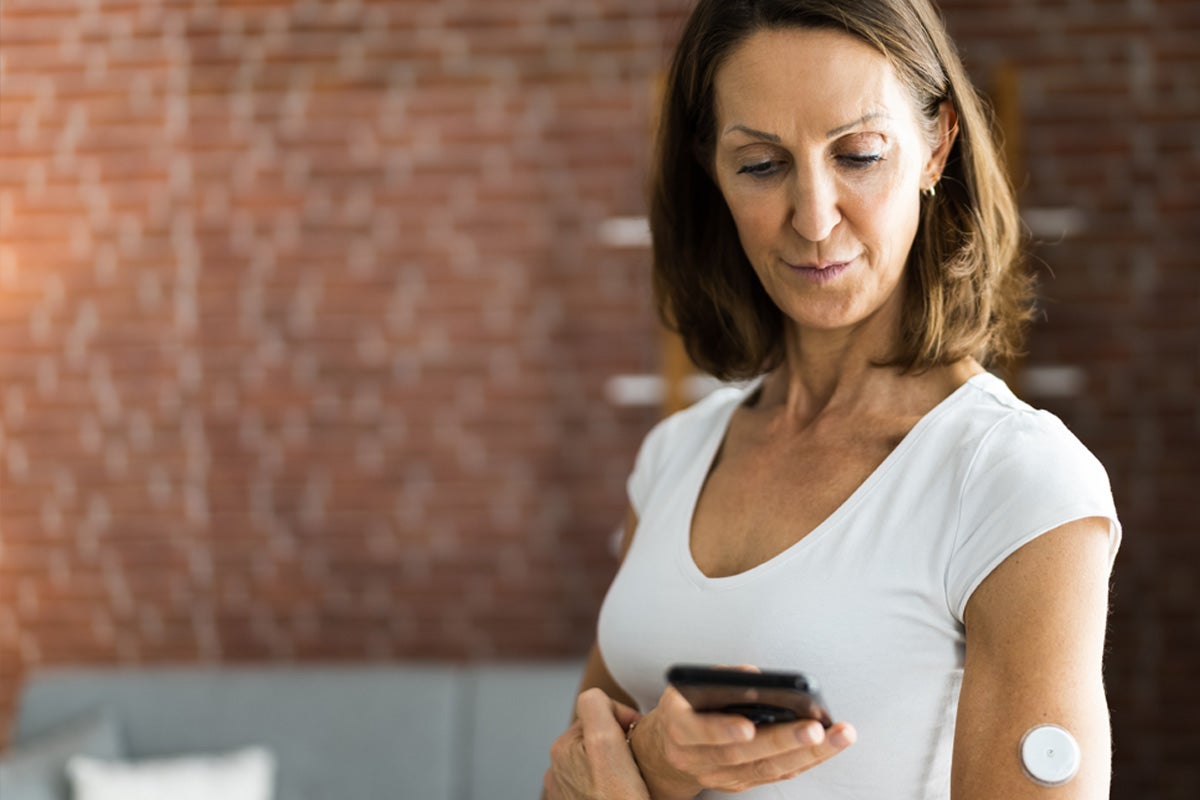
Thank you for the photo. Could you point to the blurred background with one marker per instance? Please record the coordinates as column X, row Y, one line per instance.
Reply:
column 326, row 330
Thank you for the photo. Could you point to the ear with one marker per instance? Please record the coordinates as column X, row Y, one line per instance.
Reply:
column 947, row 133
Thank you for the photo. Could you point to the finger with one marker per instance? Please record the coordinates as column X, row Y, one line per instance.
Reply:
column 834, row 741
column 624, row 714
column 770, row 741
column 785, row 737
column 740, row 667
column 842, row 734
column 598, row 715
column 690, row 728
column 782, row 766
column 743, row 754
column 800, row 743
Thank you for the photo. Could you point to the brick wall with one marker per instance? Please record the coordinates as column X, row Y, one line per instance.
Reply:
column 305, row 321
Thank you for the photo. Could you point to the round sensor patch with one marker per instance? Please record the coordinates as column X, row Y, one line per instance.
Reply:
column 1050, row 755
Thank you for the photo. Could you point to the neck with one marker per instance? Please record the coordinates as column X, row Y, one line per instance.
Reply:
column 824, row 370
column 824, row 367
column 834, row 373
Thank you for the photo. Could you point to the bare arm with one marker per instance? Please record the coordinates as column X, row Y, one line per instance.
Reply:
column 1035, row 640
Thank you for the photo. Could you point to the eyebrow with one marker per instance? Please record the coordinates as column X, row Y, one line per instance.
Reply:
column 771, row 137
column 864, row 118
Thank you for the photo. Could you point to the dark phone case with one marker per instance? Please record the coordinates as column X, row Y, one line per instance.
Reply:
column 762, row 697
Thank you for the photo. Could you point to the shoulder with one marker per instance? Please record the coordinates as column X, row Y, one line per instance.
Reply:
column 675, row 442
column 1024, row 474
column 1019, row 446
column 690, row 428
column 985, row 439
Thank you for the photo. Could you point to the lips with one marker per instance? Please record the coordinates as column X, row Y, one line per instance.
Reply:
column 822, row 272
column 822, row 265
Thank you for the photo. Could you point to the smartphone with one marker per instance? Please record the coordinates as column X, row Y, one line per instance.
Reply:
column 762, row 697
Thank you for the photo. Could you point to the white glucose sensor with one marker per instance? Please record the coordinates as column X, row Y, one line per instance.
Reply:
column 1050, row 755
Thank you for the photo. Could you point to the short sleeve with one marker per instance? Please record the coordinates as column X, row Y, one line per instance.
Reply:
column 1029, row 476
column 646, row 467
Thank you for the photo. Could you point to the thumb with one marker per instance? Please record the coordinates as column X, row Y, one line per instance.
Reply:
column 625, row 715
column 597, row 711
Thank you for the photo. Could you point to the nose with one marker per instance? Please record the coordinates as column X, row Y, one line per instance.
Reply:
column 814, row 201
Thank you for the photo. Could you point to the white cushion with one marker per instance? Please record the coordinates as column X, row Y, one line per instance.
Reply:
column 247, row 774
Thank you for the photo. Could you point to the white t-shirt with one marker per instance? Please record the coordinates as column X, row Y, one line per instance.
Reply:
column 871, row 602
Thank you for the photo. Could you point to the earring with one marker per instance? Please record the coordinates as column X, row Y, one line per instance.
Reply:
column 931, row 189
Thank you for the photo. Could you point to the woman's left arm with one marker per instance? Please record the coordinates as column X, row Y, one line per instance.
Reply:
column 1035, row 641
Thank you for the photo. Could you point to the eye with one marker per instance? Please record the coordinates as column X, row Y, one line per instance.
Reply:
column 760, row 169
column 860, row 161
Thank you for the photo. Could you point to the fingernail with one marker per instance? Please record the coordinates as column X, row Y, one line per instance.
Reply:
column 841, row 738
column 741, row 733
column 809, row 734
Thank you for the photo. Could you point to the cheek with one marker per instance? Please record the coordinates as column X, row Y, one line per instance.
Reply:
column 883, row 211
column 881, row 186
column 757, row 220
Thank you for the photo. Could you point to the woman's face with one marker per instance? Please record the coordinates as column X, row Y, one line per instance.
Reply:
column 821, row 161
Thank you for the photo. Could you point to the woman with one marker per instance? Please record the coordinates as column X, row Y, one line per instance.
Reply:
column 831, row 220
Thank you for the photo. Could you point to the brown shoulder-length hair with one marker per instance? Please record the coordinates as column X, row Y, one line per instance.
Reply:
column 967, row 293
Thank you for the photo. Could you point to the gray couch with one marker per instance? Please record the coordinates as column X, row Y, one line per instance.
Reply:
column 426, row 732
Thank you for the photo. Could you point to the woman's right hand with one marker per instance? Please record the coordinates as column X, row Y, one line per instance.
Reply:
column 681, row 752
column 592, row 760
